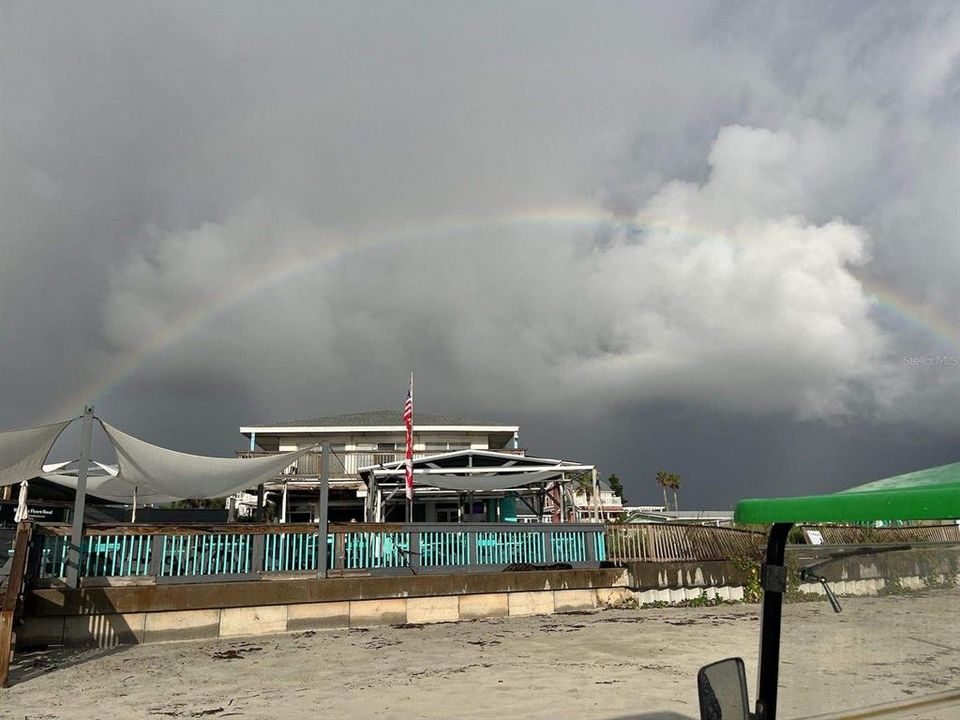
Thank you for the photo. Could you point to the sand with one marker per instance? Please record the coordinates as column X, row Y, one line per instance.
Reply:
column 601, row 665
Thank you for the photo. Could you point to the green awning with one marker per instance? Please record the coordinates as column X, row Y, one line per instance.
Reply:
column 931, row 494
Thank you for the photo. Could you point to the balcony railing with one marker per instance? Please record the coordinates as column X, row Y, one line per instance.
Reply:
column 347, row 463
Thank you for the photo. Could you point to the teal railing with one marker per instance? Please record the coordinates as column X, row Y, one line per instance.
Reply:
column 247, row 552
column 293, row 552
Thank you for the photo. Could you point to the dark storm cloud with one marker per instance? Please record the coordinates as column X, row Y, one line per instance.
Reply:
column 213, row 214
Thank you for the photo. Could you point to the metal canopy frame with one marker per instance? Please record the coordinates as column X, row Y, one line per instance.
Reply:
column 383, row 481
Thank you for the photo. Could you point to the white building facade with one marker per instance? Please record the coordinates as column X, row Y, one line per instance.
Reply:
column 359, row 440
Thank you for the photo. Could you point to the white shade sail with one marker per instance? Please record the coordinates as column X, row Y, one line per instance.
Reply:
column 156, row 470
column 102, row 482
column 23, row 451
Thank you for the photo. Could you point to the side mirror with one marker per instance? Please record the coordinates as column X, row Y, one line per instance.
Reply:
column 722, row 688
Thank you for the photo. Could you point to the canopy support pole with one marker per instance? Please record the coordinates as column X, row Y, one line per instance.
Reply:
column 563, row 501
column 370, row 506
column 76, row 534
column 596, row 495
column 133, row 512
column 324, row 511
column 773, row 576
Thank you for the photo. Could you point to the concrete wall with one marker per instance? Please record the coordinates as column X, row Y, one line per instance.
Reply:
column 108, row 616
column 107, row 630
column 148, row 612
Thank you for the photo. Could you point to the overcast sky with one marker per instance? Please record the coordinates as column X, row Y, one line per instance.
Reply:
column 717, row 239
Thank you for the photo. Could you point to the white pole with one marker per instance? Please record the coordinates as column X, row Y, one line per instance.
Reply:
column 596, row 494
column 283, row 508
column 133, row 514
column 76, row 534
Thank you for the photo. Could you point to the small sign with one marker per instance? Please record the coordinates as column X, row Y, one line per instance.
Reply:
column 815, row 537
column 34, row 511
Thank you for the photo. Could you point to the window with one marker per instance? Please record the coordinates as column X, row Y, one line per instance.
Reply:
column 446, row 446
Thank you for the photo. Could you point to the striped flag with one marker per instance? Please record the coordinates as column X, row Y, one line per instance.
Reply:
column 408, row 424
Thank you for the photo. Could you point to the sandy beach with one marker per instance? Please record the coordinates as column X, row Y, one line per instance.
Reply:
column 602, row 665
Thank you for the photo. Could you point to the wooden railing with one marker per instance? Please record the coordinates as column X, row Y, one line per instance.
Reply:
column 668, row 542
column 248, row 552
column 347, row 463
column 854, row 534
column 10, row 598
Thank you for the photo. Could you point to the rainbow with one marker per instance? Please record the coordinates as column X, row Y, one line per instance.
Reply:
column 288, row 267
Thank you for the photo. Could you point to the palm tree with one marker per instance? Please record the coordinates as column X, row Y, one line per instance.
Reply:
column 583, row 484
column 675, row 485
column 663, row 480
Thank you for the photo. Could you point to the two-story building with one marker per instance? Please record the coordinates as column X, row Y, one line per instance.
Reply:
column 464, row 469
column 359, row 440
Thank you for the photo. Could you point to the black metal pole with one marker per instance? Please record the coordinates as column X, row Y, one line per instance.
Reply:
column 774, row 578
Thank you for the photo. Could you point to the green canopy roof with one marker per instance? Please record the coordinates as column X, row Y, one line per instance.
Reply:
column 931, row 494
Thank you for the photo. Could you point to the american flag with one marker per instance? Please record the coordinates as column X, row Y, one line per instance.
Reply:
column 408, row 423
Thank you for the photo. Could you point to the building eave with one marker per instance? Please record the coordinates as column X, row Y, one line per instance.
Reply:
column 367, row 429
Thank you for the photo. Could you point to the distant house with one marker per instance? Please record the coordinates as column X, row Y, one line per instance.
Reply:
column 607, row 505
column 610, row 506
column 660, row 514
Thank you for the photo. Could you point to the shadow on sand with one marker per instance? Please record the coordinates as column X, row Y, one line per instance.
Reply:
column 30, row 664
column 662, row 715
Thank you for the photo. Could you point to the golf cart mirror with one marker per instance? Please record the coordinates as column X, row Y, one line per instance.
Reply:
column 722, row 687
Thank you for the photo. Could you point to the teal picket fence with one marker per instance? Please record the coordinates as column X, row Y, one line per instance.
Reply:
column 294, row 552
column 247, row 552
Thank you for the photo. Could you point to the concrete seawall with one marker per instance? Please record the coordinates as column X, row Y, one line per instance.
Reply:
column 142, row 611
column 147, row 612
column 116, row 615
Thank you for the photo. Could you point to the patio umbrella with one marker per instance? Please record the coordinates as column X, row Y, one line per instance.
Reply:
column 21, row 513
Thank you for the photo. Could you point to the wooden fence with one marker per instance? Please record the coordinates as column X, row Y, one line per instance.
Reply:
column 674, row 542
column 855, row 534
column 10, row 597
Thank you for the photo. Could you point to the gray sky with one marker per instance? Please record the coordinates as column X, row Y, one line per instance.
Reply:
column 718, row 239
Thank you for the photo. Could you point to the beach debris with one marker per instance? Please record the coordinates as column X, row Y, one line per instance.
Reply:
column 235, row 653
column 559, row 627
column 378, row 643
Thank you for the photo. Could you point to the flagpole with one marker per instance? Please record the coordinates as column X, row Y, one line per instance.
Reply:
column 410, row 459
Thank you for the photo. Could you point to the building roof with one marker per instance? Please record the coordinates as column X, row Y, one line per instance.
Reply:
column 378, row 418
column 474, row 461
